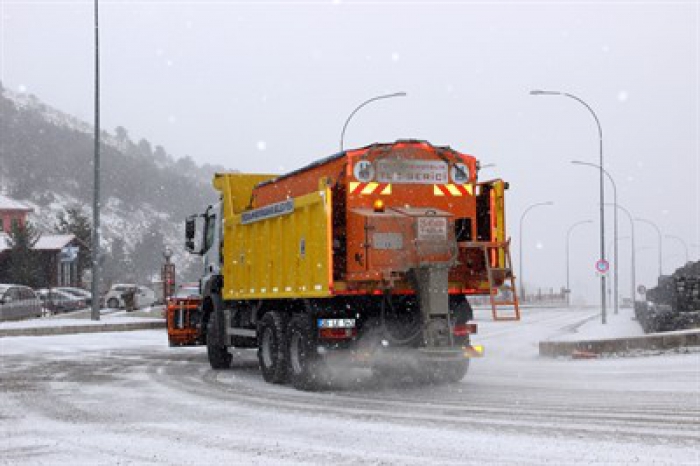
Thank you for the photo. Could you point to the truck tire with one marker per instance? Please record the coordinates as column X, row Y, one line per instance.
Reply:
column 273, row 349
column 219, row 357
column 449, row 371
column 306, row 367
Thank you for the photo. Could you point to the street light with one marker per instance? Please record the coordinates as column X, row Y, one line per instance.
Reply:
column 602, row 187
column 387, row 96
column 683, row 243
column 633, row 273
column 95, row 285
column 658, row 232
column 522, row 217
column 568, row 235
column 615, row 266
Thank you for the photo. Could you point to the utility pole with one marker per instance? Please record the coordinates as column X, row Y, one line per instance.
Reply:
column 634, row 254
column 357, row 109
column 568, row 237
column 520, row 242
column 658, row 232
column 615, row 264
column 603, row 312
column 95, row 285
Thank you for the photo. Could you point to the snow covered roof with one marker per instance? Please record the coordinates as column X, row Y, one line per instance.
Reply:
column 53, row 242
column 45, row 243
column 10, row 204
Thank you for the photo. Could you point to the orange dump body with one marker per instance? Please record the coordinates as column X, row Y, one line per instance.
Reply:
column 396, row 207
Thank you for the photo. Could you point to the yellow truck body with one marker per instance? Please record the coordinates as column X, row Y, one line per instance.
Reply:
column 277, row 251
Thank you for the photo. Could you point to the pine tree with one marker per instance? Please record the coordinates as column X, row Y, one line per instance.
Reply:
column 73, row 221
column 23, row 264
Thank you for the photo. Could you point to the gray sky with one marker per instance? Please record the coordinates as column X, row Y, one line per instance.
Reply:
column 266, row 87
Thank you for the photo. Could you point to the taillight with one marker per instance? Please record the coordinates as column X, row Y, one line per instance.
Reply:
column 462, row 330
column 337, row 333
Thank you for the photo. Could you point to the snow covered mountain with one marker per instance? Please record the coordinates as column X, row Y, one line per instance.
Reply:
column 46, row 163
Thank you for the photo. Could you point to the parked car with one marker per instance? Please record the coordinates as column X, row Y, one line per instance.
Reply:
column 85, row 295
column 114, row 298
column 60, row 301
column 18, row 302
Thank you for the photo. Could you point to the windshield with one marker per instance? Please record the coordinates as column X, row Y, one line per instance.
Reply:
column 187, row 292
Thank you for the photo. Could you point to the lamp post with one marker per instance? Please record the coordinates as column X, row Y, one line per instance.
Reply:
column 683, row 243
column 168, row 274
column 95, row 249
column 602, row 187
column 615, row 236
column 387, row 96
column 568, row 236
column 633, row 273
column 658, row 232
column 520, row 252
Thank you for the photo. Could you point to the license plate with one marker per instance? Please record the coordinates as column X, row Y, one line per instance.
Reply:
column 432, row 228
column 336, row 323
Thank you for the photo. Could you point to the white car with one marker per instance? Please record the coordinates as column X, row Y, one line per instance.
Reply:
column 114, row 299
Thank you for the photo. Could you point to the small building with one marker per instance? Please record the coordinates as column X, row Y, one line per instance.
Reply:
column 58, row 259
column 12, row 213
column 60, row 265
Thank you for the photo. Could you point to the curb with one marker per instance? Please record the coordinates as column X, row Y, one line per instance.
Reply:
column 74, row 329
column 622, row 346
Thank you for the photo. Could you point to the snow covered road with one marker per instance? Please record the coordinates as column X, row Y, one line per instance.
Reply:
column 126, row 398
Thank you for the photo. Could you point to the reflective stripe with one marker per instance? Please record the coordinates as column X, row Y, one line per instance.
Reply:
column 456, row 190
column 453, row 190
column 369, row 189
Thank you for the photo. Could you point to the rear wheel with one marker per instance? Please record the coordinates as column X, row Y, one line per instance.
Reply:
column 449, row 371
column 306, row 367
column 273, row 348
column 219, row 357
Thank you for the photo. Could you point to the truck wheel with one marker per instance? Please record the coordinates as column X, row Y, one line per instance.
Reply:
column 273, row 349
column 219, row 357
column 449, row 371
column 113, row 303
column 306, row 367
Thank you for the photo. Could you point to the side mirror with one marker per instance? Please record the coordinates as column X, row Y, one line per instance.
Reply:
column 194, row 233
column 190, row 229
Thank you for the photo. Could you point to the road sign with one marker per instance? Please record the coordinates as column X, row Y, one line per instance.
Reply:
column 68, row 254
column 602, row 266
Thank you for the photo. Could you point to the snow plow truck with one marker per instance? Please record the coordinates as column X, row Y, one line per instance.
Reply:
column 365, row 257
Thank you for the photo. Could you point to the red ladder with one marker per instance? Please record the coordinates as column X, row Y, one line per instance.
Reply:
column 492, row 252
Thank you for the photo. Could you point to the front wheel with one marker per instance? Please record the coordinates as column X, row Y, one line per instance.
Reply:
column 306, row 367
column 113, row 303
column 273, row 348
column 219, row 357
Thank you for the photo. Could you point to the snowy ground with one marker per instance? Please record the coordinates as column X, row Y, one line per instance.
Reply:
column 80, row 318
column 126, row 398
column 622, row 324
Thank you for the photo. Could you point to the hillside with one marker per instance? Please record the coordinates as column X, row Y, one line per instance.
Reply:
column 46, row 162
